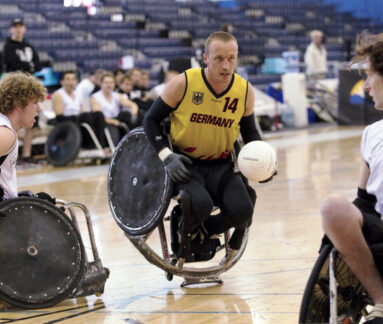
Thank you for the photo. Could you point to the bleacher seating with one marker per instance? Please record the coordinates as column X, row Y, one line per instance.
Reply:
column 263, row 28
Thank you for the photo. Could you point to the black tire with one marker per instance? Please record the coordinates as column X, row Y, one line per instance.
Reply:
column 55, row 270
column 315, row 306
column 63, row 143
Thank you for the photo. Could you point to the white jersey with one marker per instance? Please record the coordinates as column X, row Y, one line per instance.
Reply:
column 110, row 109
column 372, row 153
column 8, row 179
column 72, row 106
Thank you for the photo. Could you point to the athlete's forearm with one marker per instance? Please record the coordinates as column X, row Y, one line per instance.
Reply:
column 249, row 131
column 153, row 118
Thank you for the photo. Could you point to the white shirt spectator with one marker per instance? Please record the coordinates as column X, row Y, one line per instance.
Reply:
column 72, row 106
column 84, row 90
column 315, row 60
column 110, row 109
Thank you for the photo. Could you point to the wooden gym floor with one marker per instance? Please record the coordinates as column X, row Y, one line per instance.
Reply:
column 267, row 283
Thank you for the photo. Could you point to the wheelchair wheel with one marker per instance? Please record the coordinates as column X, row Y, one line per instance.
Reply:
column 352, row 298
column 63, row 144
column 139, row 189
column 41, row 252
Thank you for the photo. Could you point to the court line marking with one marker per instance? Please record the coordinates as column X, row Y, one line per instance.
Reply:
column 76, row 315
column 102, row 170
column 44, row 314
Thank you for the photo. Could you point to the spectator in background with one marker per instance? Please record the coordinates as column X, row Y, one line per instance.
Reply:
column 135, row 75
column 126, row 86
column 143, row 104
column 145, row 80
column 316, row 57
column 88, row 86
column 20, row 55
column 68, row 107
column 110, row 103
column 118, row 75
column 157, row 90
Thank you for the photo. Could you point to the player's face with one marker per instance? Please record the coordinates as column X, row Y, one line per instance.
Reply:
column 69, row 82
column 29, row 113
column 374, row 86
column 221, row 60
column 107, row 84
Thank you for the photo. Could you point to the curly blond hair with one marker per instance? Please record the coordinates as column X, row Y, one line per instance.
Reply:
column 369, row 48
column 18, row 89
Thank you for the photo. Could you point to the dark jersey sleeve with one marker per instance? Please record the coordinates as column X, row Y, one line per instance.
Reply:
column 249, row 131
column 152, row 123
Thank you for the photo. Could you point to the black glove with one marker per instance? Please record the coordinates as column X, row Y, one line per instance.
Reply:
column 175, row 167
column 45, row 196
column 269, row 179
column 26, row 193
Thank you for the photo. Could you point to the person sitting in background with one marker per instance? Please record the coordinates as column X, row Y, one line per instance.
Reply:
column 68, row 105
column 109, row 102
column 118, row 76
column 88, row 86
column 136, row 75
column 143, row 105
column 145, row 80
column 316, row 57
column 126, row 86
column 154, row 93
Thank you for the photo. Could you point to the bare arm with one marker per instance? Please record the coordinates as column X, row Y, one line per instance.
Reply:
column 95, row 105
column 174, row 91
column 250, row 100
column 8, row 139
column 363, row 175
column 58, row 104
column 129, row 103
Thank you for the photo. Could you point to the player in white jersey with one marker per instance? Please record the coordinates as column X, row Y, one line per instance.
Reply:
column 20, row 95
column 351, row 227
column 69, row 106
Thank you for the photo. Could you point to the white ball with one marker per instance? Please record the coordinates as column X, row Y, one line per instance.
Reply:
column 257, row 161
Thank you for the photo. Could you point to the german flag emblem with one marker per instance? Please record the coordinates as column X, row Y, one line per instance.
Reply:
column 197, row 98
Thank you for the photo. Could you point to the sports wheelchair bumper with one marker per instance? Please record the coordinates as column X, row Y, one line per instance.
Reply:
column 43, row 256
column 140, row 192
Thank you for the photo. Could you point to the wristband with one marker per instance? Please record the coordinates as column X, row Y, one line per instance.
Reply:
column 164, row 153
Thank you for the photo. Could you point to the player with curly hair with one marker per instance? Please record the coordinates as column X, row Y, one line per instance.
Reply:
column 20, row 95
column 352, row 227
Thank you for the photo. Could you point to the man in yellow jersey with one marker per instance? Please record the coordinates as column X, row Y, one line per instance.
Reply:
column 208, row 108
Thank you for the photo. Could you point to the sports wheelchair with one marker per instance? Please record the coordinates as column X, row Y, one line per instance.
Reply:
column 63, row 144
column 43, row 260
column 139, row 192
column 333, row 294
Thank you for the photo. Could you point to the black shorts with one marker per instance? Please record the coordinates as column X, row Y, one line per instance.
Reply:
column 372, row 224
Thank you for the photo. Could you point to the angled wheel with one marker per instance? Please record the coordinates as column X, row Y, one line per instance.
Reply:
column 41, row 252
column 315, row 306
column 63, row 143
column 139, row 192
column 139, row 189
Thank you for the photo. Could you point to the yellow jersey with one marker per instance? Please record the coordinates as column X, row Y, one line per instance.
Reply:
column 205, row 125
